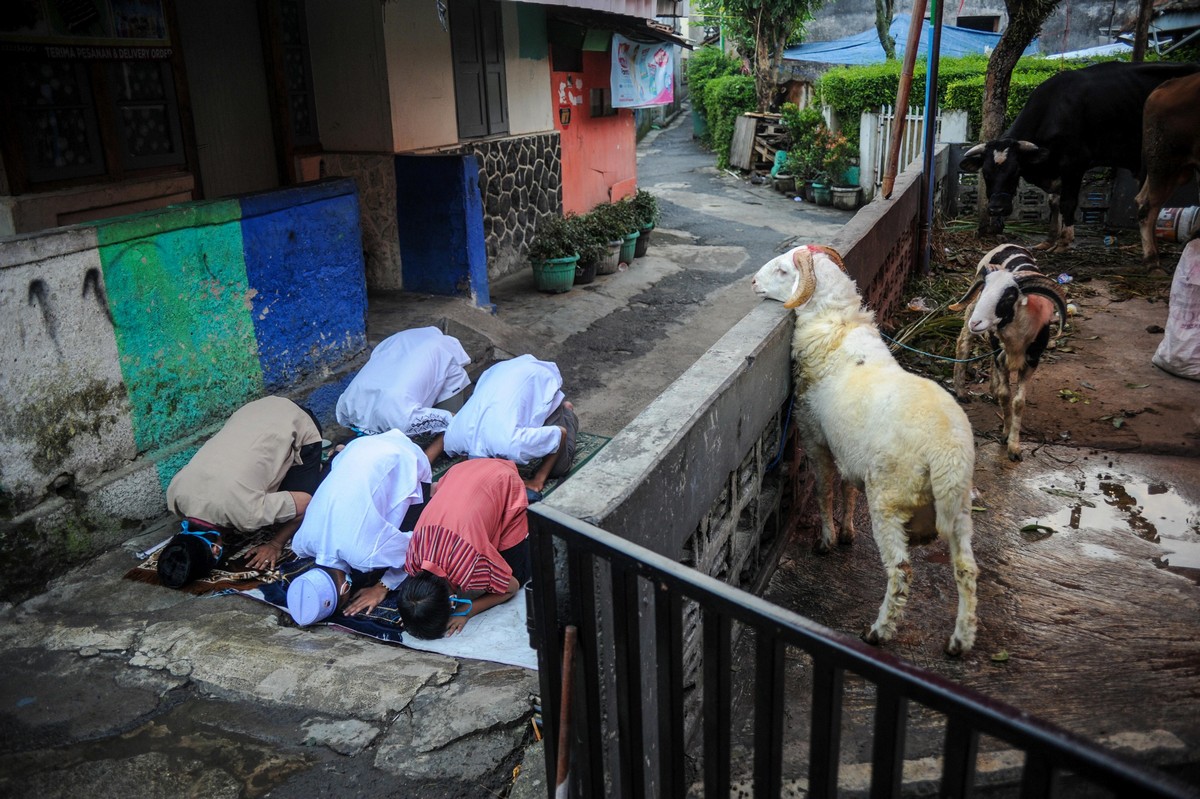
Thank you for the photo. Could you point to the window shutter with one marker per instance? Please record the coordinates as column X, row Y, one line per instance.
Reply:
column 493, row 65
column 469, row 90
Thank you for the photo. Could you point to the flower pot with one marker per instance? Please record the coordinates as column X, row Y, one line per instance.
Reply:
column 610, row 263
column 628, row 246
column 847, row 197
column 586, row 273
column 809, row 189
column 822, row 195
column 555, row 275
column 785, row 184
column 643, row 242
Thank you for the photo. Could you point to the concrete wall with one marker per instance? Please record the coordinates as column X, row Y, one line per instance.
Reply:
column 527, row 70
column 691, row 477
column 26, row 213
column 597, row 153
column 131, row 336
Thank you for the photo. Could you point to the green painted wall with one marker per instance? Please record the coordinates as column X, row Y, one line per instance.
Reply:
column 181, row 312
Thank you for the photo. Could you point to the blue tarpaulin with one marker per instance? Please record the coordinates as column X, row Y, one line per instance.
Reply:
column 864, row 48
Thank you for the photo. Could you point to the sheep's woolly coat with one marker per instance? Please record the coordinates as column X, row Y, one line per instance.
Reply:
column 899, row 437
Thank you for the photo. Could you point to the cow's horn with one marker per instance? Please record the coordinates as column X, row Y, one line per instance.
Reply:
column 806, row 278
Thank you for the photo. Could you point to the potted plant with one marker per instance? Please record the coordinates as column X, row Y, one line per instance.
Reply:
column 553, row 253
column 838, row 154
column 594, row 248
column 610, row 222
column 632, row 230
column 645, row 207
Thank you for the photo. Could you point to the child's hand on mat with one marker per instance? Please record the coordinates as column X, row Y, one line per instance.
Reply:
column 365, row 600
column 455, row 626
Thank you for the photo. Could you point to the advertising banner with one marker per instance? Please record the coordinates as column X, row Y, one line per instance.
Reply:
column 642, row 74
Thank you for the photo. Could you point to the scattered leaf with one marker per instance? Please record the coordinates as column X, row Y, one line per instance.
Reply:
column 1065, row 349
column 1000, row 657
column 978, row 509
column 1118, row 422
column 1086, row 384
column 1137, row 385
column 1033, row 528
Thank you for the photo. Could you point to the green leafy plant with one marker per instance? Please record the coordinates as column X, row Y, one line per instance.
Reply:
column 645, row 207
column 837, row 157
column 555, row 237
column 592, row 236
column 807, row 132
column 614, row 220
column 726, row 98
column 704, row 65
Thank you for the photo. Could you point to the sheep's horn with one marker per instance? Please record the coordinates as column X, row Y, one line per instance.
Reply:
column 969, row 297
column 1037, row 283
column 833, row 254
column 806, row 279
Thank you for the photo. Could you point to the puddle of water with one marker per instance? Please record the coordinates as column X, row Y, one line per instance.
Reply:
column 1105, row 500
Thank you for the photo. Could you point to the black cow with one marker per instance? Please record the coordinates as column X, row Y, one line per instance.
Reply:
column 1074, row 121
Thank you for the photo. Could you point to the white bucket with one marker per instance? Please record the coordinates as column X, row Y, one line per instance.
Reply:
column 1176, row 224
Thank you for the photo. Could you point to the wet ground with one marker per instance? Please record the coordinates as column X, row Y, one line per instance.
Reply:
column 1089, row 553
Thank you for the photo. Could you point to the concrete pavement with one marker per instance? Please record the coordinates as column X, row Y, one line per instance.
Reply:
column 115, row 688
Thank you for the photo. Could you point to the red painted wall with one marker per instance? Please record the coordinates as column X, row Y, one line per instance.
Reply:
column 597, row 153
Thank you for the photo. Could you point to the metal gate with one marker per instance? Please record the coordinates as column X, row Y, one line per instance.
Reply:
column 628, row 604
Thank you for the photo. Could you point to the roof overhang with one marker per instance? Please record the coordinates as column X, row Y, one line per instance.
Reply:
column 632, row 27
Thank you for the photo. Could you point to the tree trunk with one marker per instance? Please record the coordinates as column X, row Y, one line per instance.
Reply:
column 1142, row 31
column 764, row 75
column 883, row 22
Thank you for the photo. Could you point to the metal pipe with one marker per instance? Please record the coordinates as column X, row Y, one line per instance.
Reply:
column 910, row 56
column 931, row 109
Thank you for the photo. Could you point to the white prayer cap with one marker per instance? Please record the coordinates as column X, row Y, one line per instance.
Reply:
column 312, row 596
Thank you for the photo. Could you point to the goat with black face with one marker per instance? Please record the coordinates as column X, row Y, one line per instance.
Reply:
column 1013, row 305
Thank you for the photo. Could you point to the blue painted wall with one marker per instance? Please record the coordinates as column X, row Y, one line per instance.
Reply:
column 440, row 220
column 303, row 253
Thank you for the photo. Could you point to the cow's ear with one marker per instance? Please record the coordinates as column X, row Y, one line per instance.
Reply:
column 972, row 159
column 1030, row 153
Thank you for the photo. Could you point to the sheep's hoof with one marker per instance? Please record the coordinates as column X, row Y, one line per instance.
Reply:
column 871, row 637
column 1015, row 455
column 846, row 537
column 954, row 647
column 821, row 547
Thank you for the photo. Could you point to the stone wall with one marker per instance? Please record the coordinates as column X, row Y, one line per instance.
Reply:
column 521, row 182
column 131, row 337
column 375, row 177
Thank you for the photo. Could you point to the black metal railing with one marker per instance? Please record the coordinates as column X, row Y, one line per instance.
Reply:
column 611, row 719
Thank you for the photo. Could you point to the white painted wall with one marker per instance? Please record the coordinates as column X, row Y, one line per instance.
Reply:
column 529, row 101
column 350, row 78
column 420, row 77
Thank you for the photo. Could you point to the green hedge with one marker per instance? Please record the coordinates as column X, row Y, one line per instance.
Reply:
column 725, row 99
column 852, row 90
column 704, row 65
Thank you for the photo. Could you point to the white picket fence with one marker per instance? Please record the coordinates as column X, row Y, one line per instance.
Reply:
column 875, row 135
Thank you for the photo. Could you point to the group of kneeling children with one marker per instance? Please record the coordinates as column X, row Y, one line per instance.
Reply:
column 371, row 518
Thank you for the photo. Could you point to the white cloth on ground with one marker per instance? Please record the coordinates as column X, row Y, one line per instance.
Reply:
column 407, row 374
column 354, row 517
column 506, row 415
column 1179, row 351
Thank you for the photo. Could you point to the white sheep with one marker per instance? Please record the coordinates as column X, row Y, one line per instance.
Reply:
column 900, row 438
column 1013, row 304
